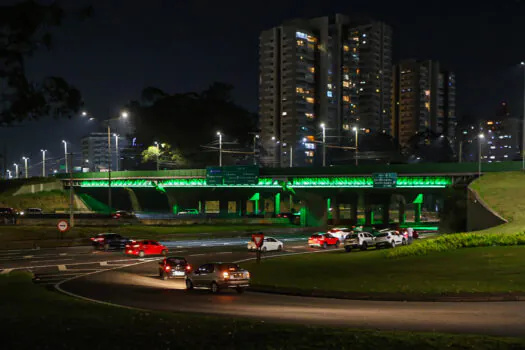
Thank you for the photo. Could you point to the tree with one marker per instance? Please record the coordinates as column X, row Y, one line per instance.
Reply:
column 189, row 121
column 166, row 156
column 24, row 29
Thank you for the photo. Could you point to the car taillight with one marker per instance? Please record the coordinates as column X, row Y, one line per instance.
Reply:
column 188, row 267
column 136, row 245
column 167, row 267
column 93, row 238
column 247, row 275
column 225, row 275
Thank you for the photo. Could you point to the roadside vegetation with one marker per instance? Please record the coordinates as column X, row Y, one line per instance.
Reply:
column 48, row 201
column 33, row 314
column 462, row 272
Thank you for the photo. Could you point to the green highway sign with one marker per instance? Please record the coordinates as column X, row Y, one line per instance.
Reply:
column 385, row 180
column 232, row 175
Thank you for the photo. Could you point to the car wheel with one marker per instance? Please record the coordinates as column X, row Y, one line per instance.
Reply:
column 364, row 246
column 214, row 287
column 106, row 247
column 164, row 276
column 279, row 248
column 189, row 284
column 336, row 244
column 164, row 252
column 348, row 249
column 325, row 245
column 141, row 254
column 393, row 244
column 239, row 290
column 264, row 249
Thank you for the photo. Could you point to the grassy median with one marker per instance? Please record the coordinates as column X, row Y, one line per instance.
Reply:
column 463, row 272
column 38, row 318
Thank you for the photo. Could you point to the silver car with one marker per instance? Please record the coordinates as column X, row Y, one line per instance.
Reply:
column 217, row 276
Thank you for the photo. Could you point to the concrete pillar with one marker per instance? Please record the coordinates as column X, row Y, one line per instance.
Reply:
column 336, row 214
column 241, row 207
column 135, row 205
column 354, row 207
column 386, row 211
column 417, row 212
column 315, row 212
column 401, row 213
column 369, row 215
column 223, row 207
column 277, row 204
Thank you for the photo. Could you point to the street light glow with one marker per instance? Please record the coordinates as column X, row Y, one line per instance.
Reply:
column 218, row 133
column 481, row 136
column 84, row 113
column 124, row 114
column 354, row 129
column 322, row 125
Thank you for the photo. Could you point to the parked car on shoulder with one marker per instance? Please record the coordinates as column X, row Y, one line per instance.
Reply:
column 269, row 244
column 323, row 240
column 359, row 240
column 340, row 232
column 217, row 276
column 173, row 267
column 109, row 241
column 146, row 247
column 389, row 239
column 122, row 214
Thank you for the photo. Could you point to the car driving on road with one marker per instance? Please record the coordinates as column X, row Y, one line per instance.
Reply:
column 173, row 267
column 323, row 240
column 146, row 247
column 269, row 244
column 109, row 241
column 217, row 276
column 389, row 239
column 359, row 240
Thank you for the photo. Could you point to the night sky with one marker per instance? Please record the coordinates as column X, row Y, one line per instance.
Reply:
column 183, row 46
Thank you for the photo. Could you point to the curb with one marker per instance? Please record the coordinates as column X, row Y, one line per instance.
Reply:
column 475, row 297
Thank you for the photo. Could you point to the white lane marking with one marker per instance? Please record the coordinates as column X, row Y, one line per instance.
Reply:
column 62, row 268
column 196, row 254
column 82, row 270
column 62, row 254
column 75, row 264
column 225, row 253
column 103, row 263
column 59, row 288
column 56, row 260
column 55, row 275
column 287, row 254
column 6, row 271
column 28, row 256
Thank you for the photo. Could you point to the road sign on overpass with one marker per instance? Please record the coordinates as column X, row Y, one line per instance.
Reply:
column 385, row 180
column 232, row 175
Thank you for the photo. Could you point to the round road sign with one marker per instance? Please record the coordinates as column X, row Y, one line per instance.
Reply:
column 63, row 225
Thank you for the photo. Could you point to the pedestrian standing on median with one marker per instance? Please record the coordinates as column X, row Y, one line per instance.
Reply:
column 410, row 234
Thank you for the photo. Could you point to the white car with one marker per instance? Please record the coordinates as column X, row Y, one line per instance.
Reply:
column 340, row 232
column 359, row 240
column 389, row 239
column 269, row 244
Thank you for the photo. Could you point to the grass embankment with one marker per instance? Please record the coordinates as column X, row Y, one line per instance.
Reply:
column 48, row 201
column 43, row 236
column 38, row 318
column 497, row 270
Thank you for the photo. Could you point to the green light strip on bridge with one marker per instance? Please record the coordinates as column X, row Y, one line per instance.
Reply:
column 306, row 182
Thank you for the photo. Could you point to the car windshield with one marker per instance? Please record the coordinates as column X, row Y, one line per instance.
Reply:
column 229, row 267
column 352, row 235
column 176, row 261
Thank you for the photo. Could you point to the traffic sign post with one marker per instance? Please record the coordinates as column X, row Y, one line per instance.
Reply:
column 385, row 180
column 258, row 239
column 62, row 226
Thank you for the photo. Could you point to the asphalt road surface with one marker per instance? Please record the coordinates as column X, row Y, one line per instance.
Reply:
column 139, row 286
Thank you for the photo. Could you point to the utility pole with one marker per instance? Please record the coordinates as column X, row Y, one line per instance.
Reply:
column 71, row 193
column 109, row 168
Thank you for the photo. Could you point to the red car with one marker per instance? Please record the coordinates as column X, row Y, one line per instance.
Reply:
column 323, row 240
column 147, row 247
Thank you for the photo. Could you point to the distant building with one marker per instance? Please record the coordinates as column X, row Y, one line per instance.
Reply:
column 95, row 153
column 332, row 70
column 502, row 135
column 424, row 99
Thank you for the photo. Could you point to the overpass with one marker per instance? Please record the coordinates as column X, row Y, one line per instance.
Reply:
column 268, row 190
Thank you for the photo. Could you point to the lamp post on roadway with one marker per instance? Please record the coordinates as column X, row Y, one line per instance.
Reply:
column 220, row 147
column 65, row 154
column 480, row 139
column 43, row 162
column 158, row 154
column 323, row 126
column 16, row 170
column 255, row 137
column 25, row 161
column 356, row 130
column 117, row 160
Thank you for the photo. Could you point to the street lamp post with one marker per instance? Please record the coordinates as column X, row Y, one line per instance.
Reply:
column 158, row 154
column 220, row 147
column 17, row 175
column 480, row 138
column 255, row 137
column 123, row 115
column 356, row 130
column 8, row 173
column 43, row 162
column 25, row 161
column 324, row 143
column 117, row 160
column 65, row 155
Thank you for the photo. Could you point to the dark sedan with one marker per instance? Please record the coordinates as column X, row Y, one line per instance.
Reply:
column 173, row 267
column 109, row 241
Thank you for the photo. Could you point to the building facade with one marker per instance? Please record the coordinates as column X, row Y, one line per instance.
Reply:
column 95, row 153
column 424, row 99
column 310, row 75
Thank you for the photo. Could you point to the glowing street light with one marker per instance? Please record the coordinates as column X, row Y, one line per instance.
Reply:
column 43, row 162
column 323, row 126
column 25, row 161
column 356, row 130
column 220, row 147
column 65, row 154
column 480, row 139
column 16, row 170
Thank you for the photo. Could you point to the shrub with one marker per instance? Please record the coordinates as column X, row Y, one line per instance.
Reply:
column 457, row 241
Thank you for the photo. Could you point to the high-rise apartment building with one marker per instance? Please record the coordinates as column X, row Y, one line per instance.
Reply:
column 95, row 155
column 424, row 99
column 310, row 74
